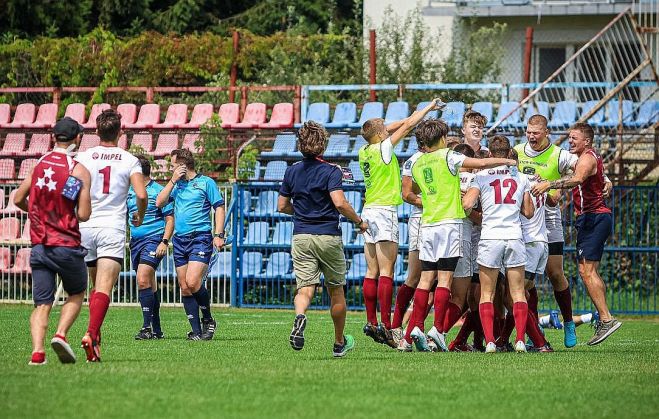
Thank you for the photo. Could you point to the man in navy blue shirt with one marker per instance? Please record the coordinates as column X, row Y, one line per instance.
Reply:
column 312, row 192
column 194, row 195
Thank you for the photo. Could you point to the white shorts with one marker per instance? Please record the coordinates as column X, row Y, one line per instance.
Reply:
column 382, row 225
column 536, row 257
column 440, row 242
column 465, row 267
column 414, row 232
column 501, row 253
column 555, row 231
column 103, row 242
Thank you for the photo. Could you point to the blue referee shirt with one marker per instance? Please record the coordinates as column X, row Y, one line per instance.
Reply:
column 193, row 200
column 154, row 217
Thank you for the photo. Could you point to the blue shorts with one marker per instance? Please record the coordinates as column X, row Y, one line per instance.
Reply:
column 592, row 232
column 47, row 261
column 193, row 247
column 143, row 250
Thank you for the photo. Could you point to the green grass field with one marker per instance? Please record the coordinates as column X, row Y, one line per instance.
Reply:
column 250, row 371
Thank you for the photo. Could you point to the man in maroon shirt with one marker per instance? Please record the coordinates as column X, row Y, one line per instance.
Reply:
column 59, row 196
column 594, row 222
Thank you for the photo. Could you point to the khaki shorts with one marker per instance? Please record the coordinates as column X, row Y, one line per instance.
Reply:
column 313, row 254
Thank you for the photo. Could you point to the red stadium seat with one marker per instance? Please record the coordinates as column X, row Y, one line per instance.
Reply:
column 189, row 143
column 123, row 142
column 26, row 167
column 95, row 112
column 177, row 116
column 2, row 199
column 25, row 236
column 5, row 259
column 229, row 114
column 39, row 145
column 24, row 116
column 128, row 112
column 89, row 141
column 149, row 117
column 255, row 114
column 76, row 111
column 11, row 208
column 5, row 114
column 166, row 143
column 10, row 228
column 7, row 169
column 46, row 116
column 145, row 141
column 22, row 262
column 282, row 117
column 14, row 145
column 200, row 114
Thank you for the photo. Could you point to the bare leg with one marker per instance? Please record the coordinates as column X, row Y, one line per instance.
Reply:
column 303, row 298
column 338, row 312
column 39, row 326
column 70, row 311
column 595, row 286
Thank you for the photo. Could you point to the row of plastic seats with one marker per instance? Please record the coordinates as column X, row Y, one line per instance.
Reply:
column 7, row 206
column 21, row 261
column 564, row 113
column 338, row 145
column 8, row 168
column 10, row 229
column 27, row 116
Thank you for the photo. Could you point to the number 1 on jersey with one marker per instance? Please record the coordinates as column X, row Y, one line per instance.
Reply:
column 106, row 178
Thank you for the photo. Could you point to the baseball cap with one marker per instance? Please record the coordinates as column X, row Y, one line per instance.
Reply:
column 67, row 127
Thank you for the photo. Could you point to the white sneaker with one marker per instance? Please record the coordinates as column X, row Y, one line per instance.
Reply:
column 420, row 340
column 397, row 334
column 63, row 350
column 438, row 338
column 403, row 346
column 520, row 346
column 490, row 348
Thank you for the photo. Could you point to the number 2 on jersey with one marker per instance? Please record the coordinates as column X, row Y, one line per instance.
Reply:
column 106, row 178
column 507, row 183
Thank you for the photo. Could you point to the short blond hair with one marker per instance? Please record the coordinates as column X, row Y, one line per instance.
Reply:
column 372, row 127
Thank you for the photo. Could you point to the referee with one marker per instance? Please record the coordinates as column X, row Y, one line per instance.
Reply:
column 312, row 192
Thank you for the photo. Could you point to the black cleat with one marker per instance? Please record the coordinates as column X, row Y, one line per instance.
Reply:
column 193, row 336
column 371, row 331
column 386, row 336
column 208, row 328
column 297, row 334
column 158, row 335
column 145, row 333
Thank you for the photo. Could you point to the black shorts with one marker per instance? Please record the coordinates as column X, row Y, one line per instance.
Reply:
column 556, row 249
column 48, row 261
column 592, row 232
column 444, row 264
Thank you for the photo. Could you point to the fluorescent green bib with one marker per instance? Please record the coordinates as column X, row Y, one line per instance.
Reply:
column 440, row 189
column 382, row 180
column 545, row 164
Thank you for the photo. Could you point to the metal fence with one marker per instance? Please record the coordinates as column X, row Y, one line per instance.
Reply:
column 265, row 277
column 16, row 278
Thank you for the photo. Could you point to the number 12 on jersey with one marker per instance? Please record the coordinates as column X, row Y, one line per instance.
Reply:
column 507, row 183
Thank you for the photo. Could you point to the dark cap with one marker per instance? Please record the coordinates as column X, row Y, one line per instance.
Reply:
column 67, row 127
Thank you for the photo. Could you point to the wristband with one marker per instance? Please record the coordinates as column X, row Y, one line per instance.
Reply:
column 220, row 235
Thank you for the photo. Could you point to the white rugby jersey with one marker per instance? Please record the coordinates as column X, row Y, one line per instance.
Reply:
column 502, row 194
column 407, row 171
column 535, row 230
column 110, row 169
column 465, row 183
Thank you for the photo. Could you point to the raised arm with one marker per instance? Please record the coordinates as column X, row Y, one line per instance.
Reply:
column 472, row 163
column 84, row 210
column 407, row 124
column 586, row 167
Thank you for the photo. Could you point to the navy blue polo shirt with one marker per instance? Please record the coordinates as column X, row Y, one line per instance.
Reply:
column 309, row 183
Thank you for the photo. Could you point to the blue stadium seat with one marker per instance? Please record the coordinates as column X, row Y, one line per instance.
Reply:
column 402, row 233
column 278, row 266
column 432, row 114
column 266, row 204
column 513, row 120
column 357, row 268
column 370, row 110
column 344, row 115
column 319, row 112
column 484, row 108
column 274, row 170
column 412, row 147
column 222, row 266
column 396, row 111
column 284, row 146
column 543, row 109
column 283, row 233
column 355, row 199
column 337, row 146
column 399, row 149
column 648, row 114
column 612, row 109
column 404, row 210
column 359, row 143
column 346, row 232
column 598, row 117
column 256, row 175
column 356, row 171
column 257, row 233
column 453, row 114
column 564, row 115
column 252, row 264
column 398, row 267
column 246, row 203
